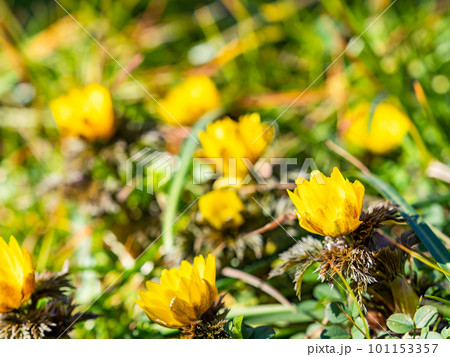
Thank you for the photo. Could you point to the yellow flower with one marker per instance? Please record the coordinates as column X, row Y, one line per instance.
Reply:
column 16, row 275
column 329, row 206
column 183, row 295
column 188, row 101
column 387, row 128
column 234, row 142
column 278, row 11
column 86, row 112
column 221, row 208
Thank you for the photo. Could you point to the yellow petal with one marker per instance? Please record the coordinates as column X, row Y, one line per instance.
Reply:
column 329, row 206
column 160, row 315
column 183, row 295
column 188, row 101
column 86, row 113
column 183, row 311
column 221, row 208
column 385, row 133
column 16, row 275
column 234, row 142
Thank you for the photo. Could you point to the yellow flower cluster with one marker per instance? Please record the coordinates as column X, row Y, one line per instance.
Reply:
column 16, row 275
column 385, row 133
column 328, row 206
column 234, row 142
column 188, row 101
column 222, row 208
column 183, row 295
column 86, row 112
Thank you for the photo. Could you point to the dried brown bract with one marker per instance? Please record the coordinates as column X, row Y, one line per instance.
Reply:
column 211, row 324
column 355, row 263
column 374, row 218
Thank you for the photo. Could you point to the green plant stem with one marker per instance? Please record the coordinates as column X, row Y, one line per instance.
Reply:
column 178, row 183
column 438, row 299
column 351, row 320
column 350, row 291
column 437, row 324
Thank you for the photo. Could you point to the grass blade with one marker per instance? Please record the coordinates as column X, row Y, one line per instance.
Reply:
column 422, row 229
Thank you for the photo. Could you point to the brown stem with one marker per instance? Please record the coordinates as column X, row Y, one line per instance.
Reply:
column 260, row 284
column 346, row 155
column 245, row 190
column 288, row 216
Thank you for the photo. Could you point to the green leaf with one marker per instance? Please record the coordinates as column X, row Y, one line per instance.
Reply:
column 239, row 330
column 431, row 335
column 263, row 333
column 236, row 330
column 425, row 316
column 42, row 302
column 323, row 292
column 422, row 229
column 356, row 333
column 310, row 275
column 313, row 328
column 275, row 314
column 334, row 332
column 301, row 270
column 400, row 323
column 333, row 312
column 355, row 311
column 445, row 333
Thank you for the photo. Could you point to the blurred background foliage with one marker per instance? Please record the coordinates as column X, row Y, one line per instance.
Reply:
column 262, row 55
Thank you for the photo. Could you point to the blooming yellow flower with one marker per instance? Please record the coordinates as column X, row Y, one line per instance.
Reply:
column 234, row 142
column 329, row 206
column 221, row 208
column 16, row 275
column 187, row 102
column 86, row 112
column 387, row 128
column 183, row 295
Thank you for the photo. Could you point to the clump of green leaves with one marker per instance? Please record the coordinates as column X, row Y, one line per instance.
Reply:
column 423, row 325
